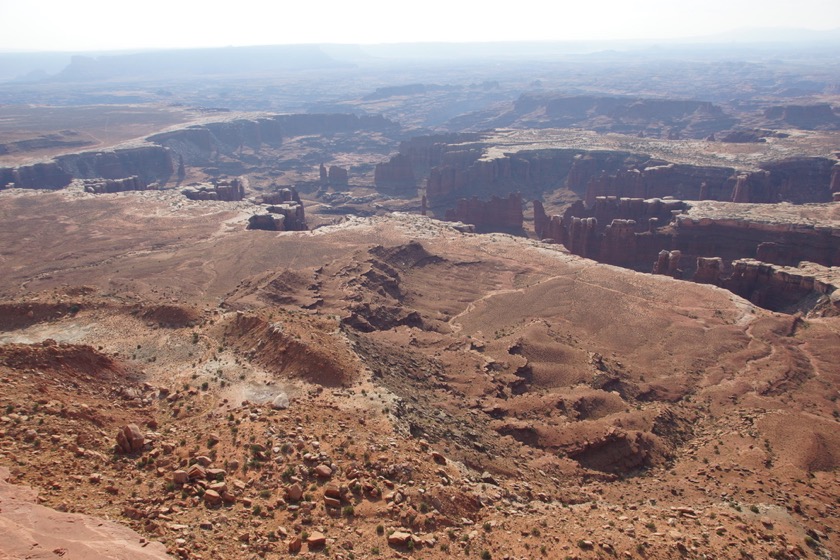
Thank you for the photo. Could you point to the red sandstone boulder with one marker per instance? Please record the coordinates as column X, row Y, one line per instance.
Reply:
column 130, row 439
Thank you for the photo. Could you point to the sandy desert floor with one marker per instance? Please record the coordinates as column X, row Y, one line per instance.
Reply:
column 482, row 396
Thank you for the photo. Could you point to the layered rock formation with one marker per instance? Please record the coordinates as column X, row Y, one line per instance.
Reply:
column 395, row 175
column 664, row 118
column 149, row 163
column 709, row 270
column 733, row 238
column 582, row 236
column 100, row 186
column 415, row 160
column 199, row 144
column 281, row 196
column 798, row 180
column 668, row 264
column 496, row 214
column 228, row 191
column 619, row 245
column 709, row 242
column 659, row 179
column 783, row 287
column 819, row 116
column 632, row 232
column 620, row 231
column 35, row 176
column 282, row 211
column 465, row 166
column 338, row 176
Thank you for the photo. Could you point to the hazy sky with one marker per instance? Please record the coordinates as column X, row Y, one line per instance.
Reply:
column 111, row 24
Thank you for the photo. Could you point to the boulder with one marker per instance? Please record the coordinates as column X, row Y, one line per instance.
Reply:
column 130, row 439
column 316, row 540
column 294, row 493
column 280, row 402
column 399, row 538
column 197, row 472
column 332, row 491
column 212, row 498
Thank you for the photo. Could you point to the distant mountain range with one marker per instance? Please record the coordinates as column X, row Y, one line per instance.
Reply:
column 87, row 66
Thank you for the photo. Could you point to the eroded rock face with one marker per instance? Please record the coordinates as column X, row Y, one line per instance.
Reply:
column 582, row 236
column 835, row 178
column 709, row 270
column 282, row 211
column 36, row 176
column 228, row 191
column 664, row 118
column 462, row 166
column 285, row 194
column 496, row 214
column 662, row 179
column 620, row 231
column 819, row 116
column 778, row 256
column 338, row 176
column 133, row 183
column 288, row 216
column 397, row 174
column 619, row 242
column 798, row 179
column 668, row 264
column 776, row 241
column 148, row 163
column 779, row 287
column 549, row 228
column 637, row 231
column 199, row 144
column 267, row 222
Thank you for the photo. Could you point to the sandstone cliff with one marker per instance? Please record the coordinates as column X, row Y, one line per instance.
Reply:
column 467, row 167
column 228, row 191
column 496, row 214
column 149, row 163
column 781, row 257
column 784, row 288
column 282, row 211
column 415, row 160
column 35, row 176
column 395, row 175
column 635, row 233
column 338, row 176
column 100, row 186
column 664, row 118
column 199, row 144
column 661, row 179
column 819, row 116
